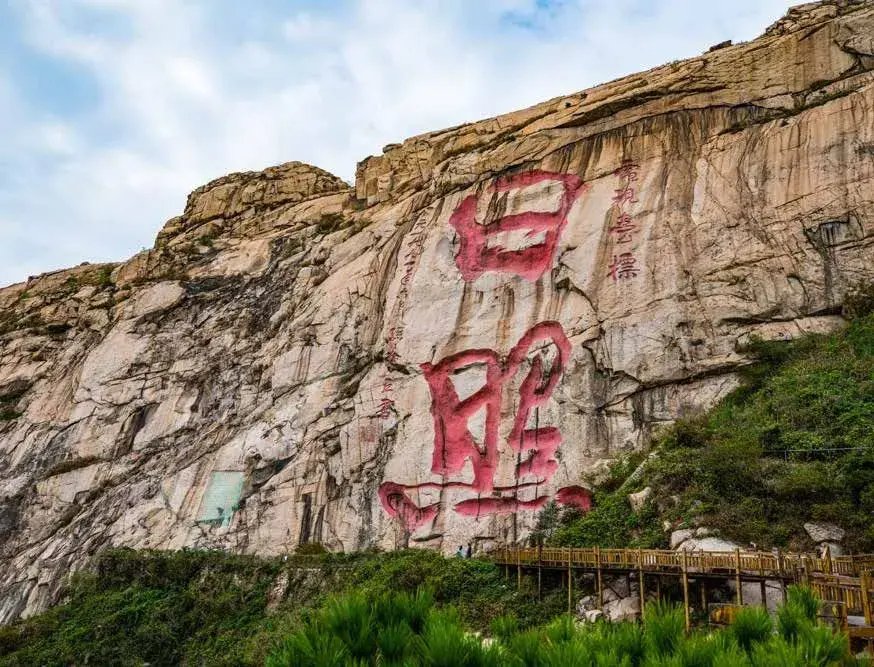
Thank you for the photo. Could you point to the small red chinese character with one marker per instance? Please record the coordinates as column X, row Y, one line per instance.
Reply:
column 385, row 407
column 623, row 267
column 628, row 170
column 623, row 228
column 624, row 196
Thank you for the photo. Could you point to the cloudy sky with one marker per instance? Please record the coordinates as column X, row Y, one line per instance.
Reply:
column 111, row 111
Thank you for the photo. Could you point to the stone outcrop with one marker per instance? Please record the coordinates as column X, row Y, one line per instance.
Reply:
column 430, row 356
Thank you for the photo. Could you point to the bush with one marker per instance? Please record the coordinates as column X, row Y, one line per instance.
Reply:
column 661, row 641
column 664, row 625
column 752, row 625
column 859, row 301
column 310, row 549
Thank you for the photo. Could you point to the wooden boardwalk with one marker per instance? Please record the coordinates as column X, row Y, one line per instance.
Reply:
column 845, row 582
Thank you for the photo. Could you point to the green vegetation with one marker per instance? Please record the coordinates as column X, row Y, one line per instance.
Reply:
column 405, row 629
column 211, row 608
column 98, row 276
column 611, row 523
column 405, row 608
column 794, row 443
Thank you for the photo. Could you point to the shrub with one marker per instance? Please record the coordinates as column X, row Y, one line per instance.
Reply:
column 752, row 625
column 310, row 549
column 664, row 624
column 504, row 627
column 803, row 600
column 859, row 301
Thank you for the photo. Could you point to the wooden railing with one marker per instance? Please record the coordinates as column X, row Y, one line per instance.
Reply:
column 759, row 563
column 855, row 593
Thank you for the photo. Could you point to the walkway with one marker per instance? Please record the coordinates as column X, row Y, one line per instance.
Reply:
column 844, row 581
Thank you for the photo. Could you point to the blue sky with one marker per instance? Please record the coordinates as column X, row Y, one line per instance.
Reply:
column 111, row 111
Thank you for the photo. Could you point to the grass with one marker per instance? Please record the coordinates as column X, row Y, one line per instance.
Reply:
column 406, row 629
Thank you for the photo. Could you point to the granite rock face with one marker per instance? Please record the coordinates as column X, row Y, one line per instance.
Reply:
column 428, row 357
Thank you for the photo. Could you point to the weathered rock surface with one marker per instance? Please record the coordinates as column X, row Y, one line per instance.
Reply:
column 621, row 602
column 638, row 500
column 429, row 356
column 824, row 532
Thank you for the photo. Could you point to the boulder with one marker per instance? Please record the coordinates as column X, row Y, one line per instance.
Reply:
column 834, row 548
column 753, row 594
column 680, row 536
column 824, row 532
column 623, row 609
column 707, row 544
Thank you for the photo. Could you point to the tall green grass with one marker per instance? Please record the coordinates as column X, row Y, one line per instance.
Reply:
column 399, row 634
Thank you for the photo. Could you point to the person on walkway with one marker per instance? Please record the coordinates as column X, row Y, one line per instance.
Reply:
column 460, row 552
column 469, row 552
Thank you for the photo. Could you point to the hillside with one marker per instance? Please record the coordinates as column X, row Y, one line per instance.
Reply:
column 793, row 445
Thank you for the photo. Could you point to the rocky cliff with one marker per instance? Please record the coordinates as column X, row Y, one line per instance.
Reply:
column 428, row 357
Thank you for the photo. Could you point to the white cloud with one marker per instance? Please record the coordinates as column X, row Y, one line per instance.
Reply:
column 189, row 91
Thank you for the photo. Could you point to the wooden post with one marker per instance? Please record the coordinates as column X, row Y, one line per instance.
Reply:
column 685, row 578
column 659, row 587
column 518, row 569
column 864, row 582
column 703, row 586
column 641, row 579
column 764, row 594
column 598, row 577
column 570, row 583
column 737, row 583
column 540, row 571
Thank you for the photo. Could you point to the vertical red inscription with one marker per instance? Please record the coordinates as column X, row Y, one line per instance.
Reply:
column 481, row 250
column 624, row 265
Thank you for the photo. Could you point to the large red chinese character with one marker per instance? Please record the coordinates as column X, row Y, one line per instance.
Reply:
column 481, row 247
column 455, row 444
